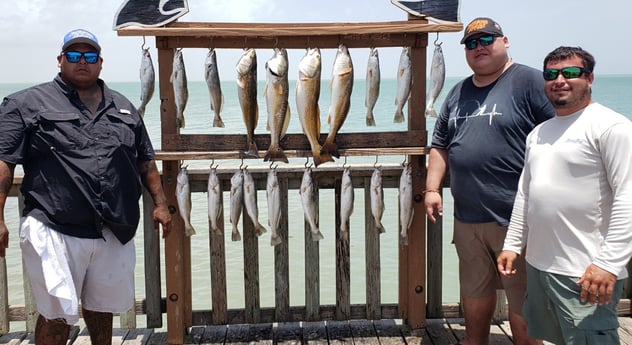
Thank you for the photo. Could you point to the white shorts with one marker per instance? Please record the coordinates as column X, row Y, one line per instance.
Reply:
column 64, row 270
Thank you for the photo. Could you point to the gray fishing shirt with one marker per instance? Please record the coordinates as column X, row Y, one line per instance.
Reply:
column 484, row 131
column 80, row 169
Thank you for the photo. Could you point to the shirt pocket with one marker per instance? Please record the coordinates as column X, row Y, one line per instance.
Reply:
column 57, row 131
column 122, row 129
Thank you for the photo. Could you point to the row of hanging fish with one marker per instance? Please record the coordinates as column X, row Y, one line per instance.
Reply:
column 307, row 93
column 243, row 194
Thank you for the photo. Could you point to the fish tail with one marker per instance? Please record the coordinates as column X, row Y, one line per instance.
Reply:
column 431, row 112
column 188, row 230
column 253, row 150
column 216, row 230
column 235, row 235
column 317, row 235
column 399, row 116
column 275, row 154
column 331, row 149
column 379, row 226
column 403, row 240
column 370, row 119
column 260, row 230
column 217, row 122
column 141, row 111
column 275, row 240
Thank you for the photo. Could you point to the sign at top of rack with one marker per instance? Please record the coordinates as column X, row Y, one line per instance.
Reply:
column 149, row 13
column 440, row 11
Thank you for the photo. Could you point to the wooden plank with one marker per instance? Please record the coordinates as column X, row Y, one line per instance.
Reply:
column 372, row 257
column 214, row 335
column 312, row 264
column 251, row 270
column 339, row 333
column 158, row 338
column 366, row 144
column 153, row 283
column 625, row 330
column 237, row 335
column 388, row 332
column 289, row 333
column 4, row 296
column 282, row 259
column 138, row 336
column 497, row 335
column 434, row 289
column 118, row 335
column 219, row 300
column 363, row 332
column 218, row 30
column 343, row 263
column 439, row 331
column 13, row 338
column 315, row 333
column 194, row 335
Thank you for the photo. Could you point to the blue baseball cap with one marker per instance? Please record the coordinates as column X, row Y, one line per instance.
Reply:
column 80, row 36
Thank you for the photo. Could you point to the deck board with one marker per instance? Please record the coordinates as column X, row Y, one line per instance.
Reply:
column 382, row 332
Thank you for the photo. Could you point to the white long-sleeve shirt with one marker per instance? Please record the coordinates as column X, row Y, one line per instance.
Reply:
column 574, row 202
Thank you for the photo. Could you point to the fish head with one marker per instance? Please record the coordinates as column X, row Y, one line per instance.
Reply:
column 310, row 64
column 278, row 65
column 211, row 58
column 247, row 62
column 374, row 53
column 342, row 62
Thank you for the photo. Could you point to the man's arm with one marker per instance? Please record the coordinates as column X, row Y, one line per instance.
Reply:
column 151, row 180
column 437, row 167
column 6, row 180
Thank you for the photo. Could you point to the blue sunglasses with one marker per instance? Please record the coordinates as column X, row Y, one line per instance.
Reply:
column 75, row 57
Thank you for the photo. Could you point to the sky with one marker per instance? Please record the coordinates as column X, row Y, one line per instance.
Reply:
column 32, row 31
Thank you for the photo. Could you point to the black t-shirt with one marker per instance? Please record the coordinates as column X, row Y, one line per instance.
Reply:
column 80, row 169
column 484, row 130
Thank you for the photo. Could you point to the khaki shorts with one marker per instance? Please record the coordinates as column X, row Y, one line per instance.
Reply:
column 554, row 312
column 65, row 270
column 478, row 246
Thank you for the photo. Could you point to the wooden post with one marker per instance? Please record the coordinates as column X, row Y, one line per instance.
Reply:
column 413, row 256
column 176, row 248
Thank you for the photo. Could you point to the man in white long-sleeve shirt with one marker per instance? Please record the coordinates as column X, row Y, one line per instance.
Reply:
column 573, row 210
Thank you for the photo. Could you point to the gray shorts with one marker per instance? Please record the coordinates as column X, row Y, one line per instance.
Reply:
column 554, row 312
column 65, row 271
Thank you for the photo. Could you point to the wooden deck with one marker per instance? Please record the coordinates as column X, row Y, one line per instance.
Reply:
column 380, row 332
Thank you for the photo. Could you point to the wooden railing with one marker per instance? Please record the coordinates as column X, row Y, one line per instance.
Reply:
column 152, row 304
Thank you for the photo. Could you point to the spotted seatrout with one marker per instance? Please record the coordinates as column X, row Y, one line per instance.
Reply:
column 183, row 197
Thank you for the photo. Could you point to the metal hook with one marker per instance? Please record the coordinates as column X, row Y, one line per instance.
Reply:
column 242, row 164
column 210, row 43
column 306, row 161
column 143, row 45
column 436, row 39
column 344, row 164
column 375, row 164
column 276, row 41
column 273, row 167
column 404, row 162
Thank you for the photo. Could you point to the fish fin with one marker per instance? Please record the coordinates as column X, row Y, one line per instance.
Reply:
column 221, row 106
column 286, row 121
column 317, row 119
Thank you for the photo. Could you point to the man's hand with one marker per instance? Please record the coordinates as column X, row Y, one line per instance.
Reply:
column 505, row 262
column 432, row 201
column 162, row 217
column 597, row 285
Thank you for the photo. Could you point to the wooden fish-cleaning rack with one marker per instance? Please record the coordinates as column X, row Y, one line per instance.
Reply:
column 178, row 147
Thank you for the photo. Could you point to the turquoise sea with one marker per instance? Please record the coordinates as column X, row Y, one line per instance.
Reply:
column 614, row 91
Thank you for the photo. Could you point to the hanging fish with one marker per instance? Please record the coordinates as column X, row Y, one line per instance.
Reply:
column 183, row 197
column 180, row 90
column 211, row 75
column 307, row 94
column 377, row 199
column 247, row 93
column 310, row 206
column 276, row 94
column 341, row 88
column 346, row 202
column 214, row 190
column 372, row 85
column 406, row 210
column 147, row 81
column 236, row 202
column 404, row 82
column 250, row 202
column 273, row 196
column 437, row 78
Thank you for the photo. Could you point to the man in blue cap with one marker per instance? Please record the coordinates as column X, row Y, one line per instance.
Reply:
column 86, row 155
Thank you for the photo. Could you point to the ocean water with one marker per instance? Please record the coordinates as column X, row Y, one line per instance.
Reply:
column 611, row 90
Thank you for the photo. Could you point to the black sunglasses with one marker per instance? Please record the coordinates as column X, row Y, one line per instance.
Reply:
column 74, row 57
column 570, row 72
column 483, row 41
